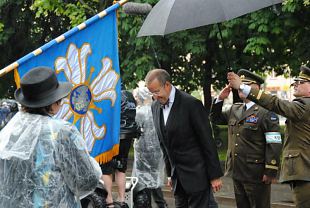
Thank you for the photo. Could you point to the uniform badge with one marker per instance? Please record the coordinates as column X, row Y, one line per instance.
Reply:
column 273, row 162
column 273, row 116
column 251, row 119
column 273, row 137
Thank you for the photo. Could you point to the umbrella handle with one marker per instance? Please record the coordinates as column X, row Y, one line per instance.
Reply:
column 228, row 65
column 156, row 57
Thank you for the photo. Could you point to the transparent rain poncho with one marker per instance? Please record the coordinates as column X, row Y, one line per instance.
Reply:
column 44, row 163
column 148, row 158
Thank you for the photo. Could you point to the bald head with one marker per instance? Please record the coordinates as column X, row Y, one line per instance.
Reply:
column 159, row 74
column 158, row 83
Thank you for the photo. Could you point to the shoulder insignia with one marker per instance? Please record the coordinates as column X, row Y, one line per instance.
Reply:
column 273, row 116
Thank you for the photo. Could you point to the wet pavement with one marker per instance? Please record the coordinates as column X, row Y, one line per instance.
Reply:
column 281, row 196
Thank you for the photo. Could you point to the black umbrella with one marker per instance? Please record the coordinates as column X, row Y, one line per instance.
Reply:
column 170, row 16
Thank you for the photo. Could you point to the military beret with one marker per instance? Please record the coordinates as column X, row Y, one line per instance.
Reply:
column 304, row 74
column 248, row 77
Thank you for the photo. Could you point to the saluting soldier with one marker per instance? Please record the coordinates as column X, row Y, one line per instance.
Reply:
column 254, row 145
column 295, row 168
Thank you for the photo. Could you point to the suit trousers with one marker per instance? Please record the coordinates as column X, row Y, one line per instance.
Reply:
column 158, row 197
column 190, row 200
column 252, row 195
column 301, row 193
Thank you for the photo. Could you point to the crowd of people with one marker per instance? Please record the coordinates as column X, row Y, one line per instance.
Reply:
column 44, row 161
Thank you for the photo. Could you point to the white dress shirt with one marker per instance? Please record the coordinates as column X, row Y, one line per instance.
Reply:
column 167, row 109
column 249, row 105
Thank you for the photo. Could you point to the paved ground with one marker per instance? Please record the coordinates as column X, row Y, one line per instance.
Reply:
column 281, row 196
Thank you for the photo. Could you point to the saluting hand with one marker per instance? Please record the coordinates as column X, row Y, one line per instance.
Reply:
column 234, row 80
column 224, row 93
column 216, row 184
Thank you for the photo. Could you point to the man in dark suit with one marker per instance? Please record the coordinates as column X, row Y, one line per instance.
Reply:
column 186, row 138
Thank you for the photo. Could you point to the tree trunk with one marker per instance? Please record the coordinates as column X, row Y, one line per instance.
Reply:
column 207, row 76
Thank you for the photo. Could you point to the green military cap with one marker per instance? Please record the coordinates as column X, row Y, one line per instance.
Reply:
column 304, row 74
column 248, row 77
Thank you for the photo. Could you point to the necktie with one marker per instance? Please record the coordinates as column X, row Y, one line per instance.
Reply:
column 244, row 108
column 165, row 105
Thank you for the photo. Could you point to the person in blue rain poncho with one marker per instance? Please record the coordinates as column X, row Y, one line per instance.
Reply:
column 43, row 161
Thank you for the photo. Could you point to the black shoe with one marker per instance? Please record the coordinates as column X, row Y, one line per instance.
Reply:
column 121, row 205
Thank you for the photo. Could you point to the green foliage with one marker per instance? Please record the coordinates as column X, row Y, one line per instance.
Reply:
column 76, row 12
column 257, row 45
column 1, row 27
column 22, row 33
column 271, row 39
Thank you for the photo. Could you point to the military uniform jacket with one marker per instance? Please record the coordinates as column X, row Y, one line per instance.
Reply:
column 296, row 145
column 251, row 151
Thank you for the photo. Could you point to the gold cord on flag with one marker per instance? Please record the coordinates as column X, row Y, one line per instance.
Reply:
column 17, row 78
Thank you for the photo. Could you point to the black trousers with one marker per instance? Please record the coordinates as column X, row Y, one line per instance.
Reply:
column 252, row 195
column 158, row 197
column 191, row 200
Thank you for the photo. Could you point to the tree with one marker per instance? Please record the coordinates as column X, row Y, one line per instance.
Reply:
column 22, row 32
column 270, row 39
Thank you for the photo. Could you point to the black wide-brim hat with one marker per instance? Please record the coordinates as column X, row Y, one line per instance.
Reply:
column 39, row 87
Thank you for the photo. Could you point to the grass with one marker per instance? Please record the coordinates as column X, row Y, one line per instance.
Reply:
column 222, row 155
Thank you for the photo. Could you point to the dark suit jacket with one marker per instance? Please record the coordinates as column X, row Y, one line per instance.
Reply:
column 187, row 143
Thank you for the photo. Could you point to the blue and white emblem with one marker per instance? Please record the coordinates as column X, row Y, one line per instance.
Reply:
column 80, row 99
column 251, row 119
column 81, row 104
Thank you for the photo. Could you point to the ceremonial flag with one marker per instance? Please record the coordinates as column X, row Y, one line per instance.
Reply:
column 87, row 56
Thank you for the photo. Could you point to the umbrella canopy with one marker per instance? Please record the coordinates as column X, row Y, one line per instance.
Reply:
column 170, row 16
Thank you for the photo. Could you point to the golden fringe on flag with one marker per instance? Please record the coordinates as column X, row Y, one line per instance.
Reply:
column 16, row 78
column 107, row 156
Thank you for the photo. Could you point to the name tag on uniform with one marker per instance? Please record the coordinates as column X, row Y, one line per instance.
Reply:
column 273, row 137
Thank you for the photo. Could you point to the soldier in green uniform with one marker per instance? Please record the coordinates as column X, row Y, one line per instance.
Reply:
column 254, row 145
column 295, row 168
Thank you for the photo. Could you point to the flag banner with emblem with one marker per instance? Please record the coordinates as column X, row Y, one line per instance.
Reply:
column 87, row 56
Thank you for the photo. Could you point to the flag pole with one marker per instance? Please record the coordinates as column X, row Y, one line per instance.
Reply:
column 61, row 38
